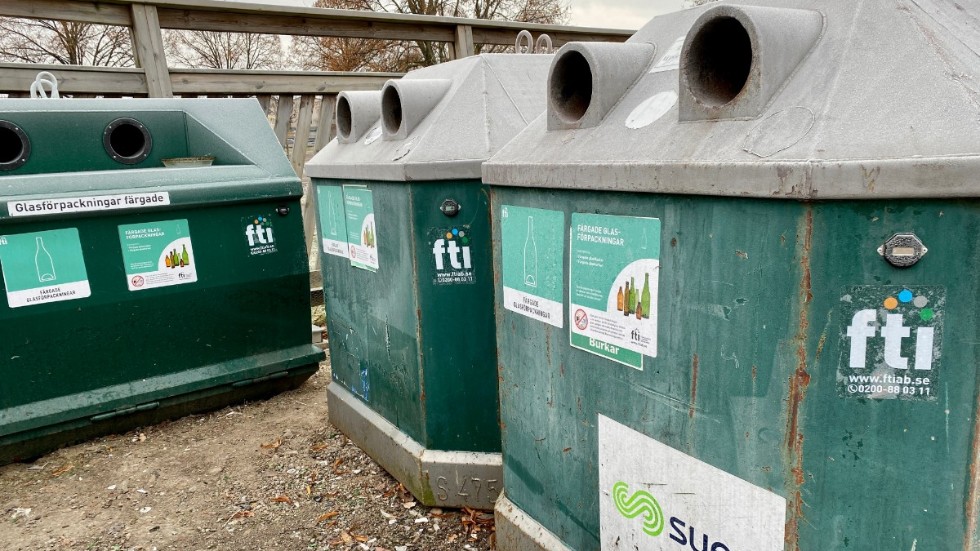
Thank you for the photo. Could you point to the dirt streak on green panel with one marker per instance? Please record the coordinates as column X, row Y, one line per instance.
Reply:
column 419, row 353
column 750, row 331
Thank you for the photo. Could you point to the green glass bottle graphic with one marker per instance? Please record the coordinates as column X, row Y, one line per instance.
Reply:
column 626, row 300
column 530, row 256
column 185, row 259
column 633, row 295
column 645, row 296
column 43, row 262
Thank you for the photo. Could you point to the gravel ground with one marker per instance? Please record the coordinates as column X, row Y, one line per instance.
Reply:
column 265, row 475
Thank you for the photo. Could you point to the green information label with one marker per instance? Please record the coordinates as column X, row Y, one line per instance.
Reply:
column 362, row 234
column 532, row 242
column 43, row 267
column 614, row 269
column 891, row 340
column 157, row 254
column 333, row 223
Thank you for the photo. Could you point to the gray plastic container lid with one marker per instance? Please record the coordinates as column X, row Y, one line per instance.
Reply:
column 863, row 100
column 437, row 123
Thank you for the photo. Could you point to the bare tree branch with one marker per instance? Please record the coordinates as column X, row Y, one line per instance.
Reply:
column 64, row 42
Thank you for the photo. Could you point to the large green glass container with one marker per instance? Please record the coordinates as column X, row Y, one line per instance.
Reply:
column 136, row 292
column 807, row 199
column 408, row 286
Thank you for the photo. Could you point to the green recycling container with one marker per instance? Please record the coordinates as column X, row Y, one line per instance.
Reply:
column 736, row 269
column 153, row 265
column 406, row 263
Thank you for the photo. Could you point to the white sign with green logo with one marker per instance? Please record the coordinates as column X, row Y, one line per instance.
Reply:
column 43, row 267
column 614, row 267
column 157, row 254
column 362, row 234
column 654, row 497
column 333, row 223
column 533, row 245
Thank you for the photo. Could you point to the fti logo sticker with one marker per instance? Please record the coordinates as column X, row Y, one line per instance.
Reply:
column 891, row 342
column 451, row 255
column 258, row 235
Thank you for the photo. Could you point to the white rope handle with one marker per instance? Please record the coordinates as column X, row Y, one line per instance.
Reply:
column 44, row 80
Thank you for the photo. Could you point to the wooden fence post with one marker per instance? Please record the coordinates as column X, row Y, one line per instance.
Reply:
column 148, row 47
column 463, row 45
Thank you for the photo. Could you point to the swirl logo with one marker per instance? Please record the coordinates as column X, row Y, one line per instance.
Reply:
column 641, row 503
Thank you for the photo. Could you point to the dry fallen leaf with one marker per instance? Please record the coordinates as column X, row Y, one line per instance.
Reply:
column 346, row 537
column 242, row 514
column 327, row 516
column 282, row 499
column 361, row 539
column 273, row 446
column 62, row 470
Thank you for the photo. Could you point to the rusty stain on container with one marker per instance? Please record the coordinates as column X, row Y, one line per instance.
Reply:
column 798, row 384
column 870, row 177
column 694, row 385
column 971, row 505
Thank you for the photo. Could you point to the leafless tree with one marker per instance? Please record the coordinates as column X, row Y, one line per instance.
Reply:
column 64, row 42
column 221, row 50
column 345, row 54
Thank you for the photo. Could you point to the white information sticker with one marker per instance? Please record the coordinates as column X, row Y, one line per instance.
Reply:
column 654, row 497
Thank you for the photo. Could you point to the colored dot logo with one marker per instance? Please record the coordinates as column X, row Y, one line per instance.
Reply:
column 905, row 297
column 458, row 233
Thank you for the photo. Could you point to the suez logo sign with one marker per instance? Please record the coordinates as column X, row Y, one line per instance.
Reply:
column 452, row 256
column 258, row 235
column 642, row 504
column 891, row 342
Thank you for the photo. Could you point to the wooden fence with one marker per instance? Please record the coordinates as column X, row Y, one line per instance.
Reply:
column 297, row 103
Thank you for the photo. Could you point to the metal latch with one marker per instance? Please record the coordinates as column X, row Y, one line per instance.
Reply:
column 450, row 207
column 903, row 250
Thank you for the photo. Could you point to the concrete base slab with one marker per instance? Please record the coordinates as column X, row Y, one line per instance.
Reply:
column 436, row 478
column 517, row 531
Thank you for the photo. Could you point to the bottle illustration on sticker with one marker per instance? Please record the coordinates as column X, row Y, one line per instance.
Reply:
column 332, row 216
column 43, row 262
column 530, row 256
column 645, row 296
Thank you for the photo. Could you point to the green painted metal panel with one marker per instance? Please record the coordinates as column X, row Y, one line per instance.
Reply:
column 751, row 332
column 415, row 348
column 128, row 352
column 372, row 317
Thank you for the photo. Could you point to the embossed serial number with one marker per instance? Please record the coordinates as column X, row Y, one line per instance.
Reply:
column 468, row 487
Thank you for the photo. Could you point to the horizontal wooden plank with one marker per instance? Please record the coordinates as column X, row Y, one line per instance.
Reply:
column 17, row 77
column 209, row 81
column 67, row 10
column 218, row 15
column 508, row 37
column 312, row 26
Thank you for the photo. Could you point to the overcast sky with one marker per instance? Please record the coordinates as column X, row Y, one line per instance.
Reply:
column 614, row 14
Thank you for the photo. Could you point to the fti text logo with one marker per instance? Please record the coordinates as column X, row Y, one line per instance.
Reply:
column 258, row 234
column 891, row 341
column 452, row 256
